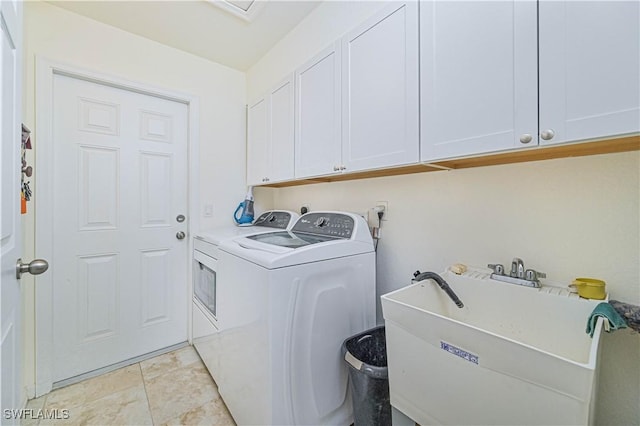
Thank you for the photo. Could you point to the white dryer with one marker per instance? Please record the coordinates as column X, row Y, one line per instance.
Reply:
column 290, row 299
column 206, row 299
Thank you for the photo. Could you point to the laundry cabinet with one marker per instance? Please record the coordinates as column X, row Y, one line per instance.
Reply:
column 503, row 75
column 257, row 142
column 478, row 76
column 589, row 69
column 357, row 101
column 318, row 115
column 380, row 90
column 270, row 135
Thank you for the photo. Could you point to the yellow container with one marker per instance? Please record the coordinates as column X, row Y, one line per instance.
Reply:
column 589, row 288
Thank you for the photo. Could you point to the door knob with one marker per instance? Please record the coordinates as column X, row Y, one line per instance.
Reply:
column 35, row 267
column 180, row 235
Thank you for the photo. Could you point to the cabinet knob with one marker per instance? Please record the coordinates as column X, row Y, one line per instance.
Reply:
column 526, row 138
column 548, row 134
column 343, row 168
column 336, row 168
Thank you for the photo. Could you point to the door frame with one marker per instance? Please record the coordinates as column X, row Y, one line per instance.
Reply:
column 45, row 71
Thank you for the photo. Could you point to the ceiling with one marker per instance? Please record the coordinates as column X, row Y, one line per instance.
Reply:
column 217, row 30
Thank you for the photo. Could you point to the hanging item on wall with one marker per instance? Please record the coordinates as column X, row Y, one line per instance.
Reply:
column 26, row 137
column 25, row 191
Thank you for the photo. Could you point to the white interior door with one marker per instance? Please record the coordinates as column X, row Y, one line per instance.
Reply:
column 10, row 237
column 120, row 182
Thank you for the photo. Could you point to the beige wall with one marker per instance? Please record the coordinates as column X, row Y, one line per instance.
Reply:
column 568, row 218
column 70, row 39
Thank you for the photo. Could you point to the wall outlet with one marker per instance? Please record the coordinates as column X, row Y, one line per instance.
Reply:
column 208, row 210
column 385, row 206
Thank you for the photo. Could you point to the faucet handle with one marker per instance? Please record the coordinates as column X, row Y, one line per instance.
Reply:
column 497, row 268
column 517, row 268
column 532, row 275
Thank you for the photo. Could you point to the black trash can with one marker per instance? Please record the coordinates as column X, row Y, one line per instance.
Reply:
column 366, row 357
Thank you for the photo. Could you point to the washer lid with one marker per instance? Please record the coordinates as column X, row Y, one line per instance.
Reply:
column 290, row 239
column 268, row 221
column 321, row 241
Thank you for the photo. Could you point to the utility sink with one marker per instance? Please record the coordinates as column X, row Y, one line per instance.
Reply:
column 512, row 355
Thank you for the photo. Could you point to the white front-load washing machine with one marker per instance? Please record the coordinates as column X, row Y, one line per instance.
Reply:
column 206, row 299
column 289, row 300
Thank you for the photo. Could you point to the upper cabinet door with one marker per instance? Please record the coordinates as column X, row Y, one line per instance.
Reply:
column 380, row 90
column 318, row 115
column 589, row 69
column 257, row 143
column 281, row 130
column 478, row 70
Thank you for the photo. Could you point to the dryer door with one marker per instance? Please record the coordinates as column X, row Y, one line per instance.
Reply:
column 205, row 281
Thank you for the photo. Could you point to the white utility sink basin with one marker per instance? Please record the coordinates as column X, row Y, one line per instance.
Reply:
column 512, row 355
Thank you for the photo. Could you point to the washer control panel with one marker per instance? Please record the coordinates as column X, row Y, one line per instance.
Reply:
column 274, row 219
column 328, row 224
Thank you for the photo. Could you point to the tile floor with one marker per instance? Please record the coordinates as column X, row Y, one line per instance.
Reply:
column 170, row 389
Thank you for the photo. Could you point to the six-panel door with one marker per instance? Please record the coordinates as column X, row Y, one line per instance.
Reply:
column 120, row 180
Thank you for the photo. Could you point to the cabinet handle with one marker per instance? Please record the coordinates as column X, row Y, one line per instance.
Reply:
column 336, row 168
column 526, row 138
column 343, row 168
column 547, row 134
column 266, row 179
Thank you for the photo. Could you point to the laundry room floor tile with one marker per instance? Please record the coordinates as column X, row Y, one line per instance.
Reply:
column 36, row 405
column 170, row 389
column 211, row 413
column 125, row 407
column 179, row 391
column 89, row 390
column 168, row 362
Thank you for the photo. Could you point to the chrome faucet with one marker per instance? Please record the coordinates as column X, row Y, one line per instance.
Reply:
column 419, row 276
column 517, row 268
column 518, row 275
